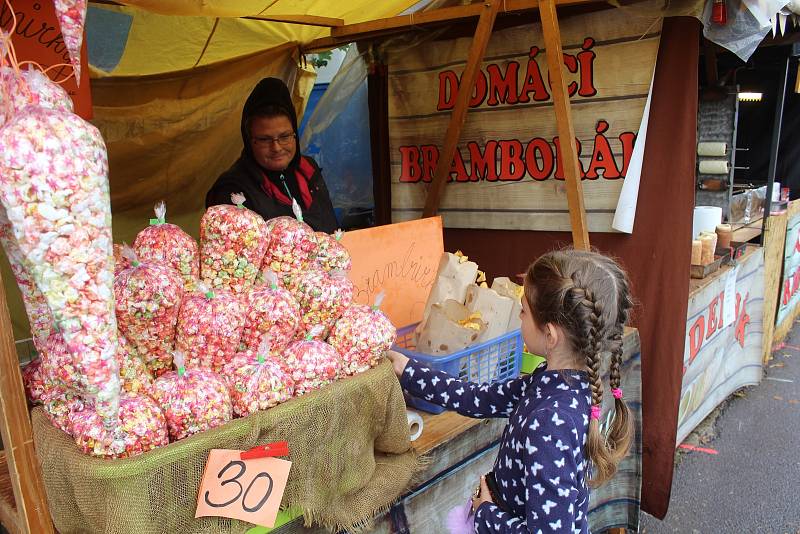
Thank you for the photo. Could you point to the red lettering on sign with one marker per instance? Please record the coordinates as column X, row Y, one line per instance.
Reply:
column 602, row 157
column 410, row 169
column 571, row 62
column 559, row 162
column 448, row 88
column 586, row 59
column 502, row 87
column 457, row 170
column 512, row 166
column 483, row 165
column 430, row 158
column 742, row 318
column 539, row 149
column 696, row 337
column 712, row 318
column 533, row 83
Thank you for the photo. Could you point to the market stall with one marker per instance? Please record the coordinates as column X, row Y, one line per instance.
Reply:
column 788, row 308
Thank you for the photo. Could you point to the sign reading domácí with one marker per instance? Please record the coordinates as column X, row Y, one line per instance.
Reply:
column 507, row 171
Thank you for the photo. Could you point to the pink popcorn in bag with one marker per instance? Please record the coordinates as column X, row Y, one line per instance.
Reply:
column 33, row 379
column 149, row 297
column 32, row 88
column 361, row 335
column 292, row 246
column 71, row 16
column 60, row 405
column 120, row 261
column 142, row 428
column 54, row 188
column 331, row 254
column 313, row 363
column 322, row 297
column 59, row 365
column 232, row 245
column 272, row 313
column 258, row 381
column 166, row 243
column 210, row 327
column 133, row 372
column 193, row 400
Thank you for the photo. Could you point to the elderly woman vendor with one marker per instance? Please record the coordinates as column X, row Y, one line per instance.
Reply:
column 271, row 172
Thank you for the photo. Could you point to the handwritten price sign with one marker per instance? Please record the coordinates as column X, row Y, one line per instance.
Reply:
column 242, row 485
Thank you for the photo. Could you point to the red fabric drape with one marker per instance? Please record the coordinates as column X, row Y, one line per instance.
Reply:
column 657, row 255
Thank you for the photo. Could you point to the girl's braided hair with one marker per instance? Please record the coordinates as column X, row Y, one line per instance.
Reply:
column 588, row 296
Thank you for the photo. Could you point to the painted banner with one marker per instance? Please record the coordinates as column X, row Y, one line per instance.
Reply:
column 790, row 288
column 723, row 344
column 507, row 170
column 37, row 37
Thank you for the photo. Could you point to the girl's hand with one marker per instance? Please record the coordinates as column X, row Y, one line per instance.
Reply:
column 482, row 495
column 398, row 362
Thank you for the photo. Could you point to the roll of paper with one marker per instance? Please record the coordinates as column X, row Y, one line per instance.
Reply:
column 714, row 166
column 706, row 219
column 414, row 425
column 697, row 252
column 712, row 149
column 709, row 243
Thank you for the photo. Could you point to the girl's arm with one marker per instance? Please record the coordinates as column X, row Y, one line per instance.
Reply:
column 466, row 398
column 554, row 466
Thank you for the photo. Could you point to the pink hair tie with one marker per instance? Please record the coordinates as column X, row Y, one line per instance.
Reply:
column 596, row 411
column 617, row 392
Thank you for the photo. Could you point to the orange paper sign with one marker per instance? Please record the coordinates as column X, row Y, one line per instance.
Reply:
column 250, row 490
column 399, row 259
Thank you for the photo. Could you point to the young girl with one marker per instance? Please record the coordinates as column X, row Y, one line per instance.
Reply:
column 576, row 304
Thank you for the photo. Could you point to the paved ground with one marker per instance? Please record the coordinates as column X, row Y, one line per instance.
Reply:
column 753, row 483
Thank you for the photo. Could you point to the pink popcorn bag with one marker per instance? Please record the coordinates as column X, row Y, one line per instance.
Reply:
column 142, row 428
column 232, row 246
column 59, row 366
column 54, row 189
column 32, row 88
column 60, row 405
column 33, row 379
column 193, row 400
column 322, row 297
column 210, row 327
column 292, row 246
column 258, row 381
column 134, row 375
column 331, row 254
column 166, row 243
column 312, row 363
column 71, row 16
column 120, row 261
column 272, row 314
column 361, row 335
column 148, row 299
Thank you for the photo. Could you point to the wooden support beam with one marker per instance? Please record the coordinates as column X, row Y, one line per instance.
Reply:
column 446, row 15
column 15, row 426
column 459, row 114
column 566, row 130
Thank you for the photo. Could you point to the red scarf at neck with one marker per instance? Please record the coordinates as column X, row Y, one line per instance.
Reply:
column 301, row 174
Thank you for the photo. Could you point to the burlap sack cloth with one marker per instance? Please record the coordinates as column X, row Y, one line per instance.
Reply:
column 348, row 445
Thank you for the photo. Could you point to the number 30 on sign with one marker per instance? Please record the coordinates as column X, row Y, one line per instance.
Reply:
column 250, row 490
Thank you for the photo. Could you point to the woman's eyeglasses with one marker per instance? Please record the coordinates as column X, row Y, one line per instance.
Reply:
column 284, row 140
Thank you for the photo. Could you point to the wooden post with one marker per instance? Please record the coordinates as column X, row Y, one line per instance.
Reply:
column 32, row 515
column 566, row 131
column 471, row 69
column 378, row 103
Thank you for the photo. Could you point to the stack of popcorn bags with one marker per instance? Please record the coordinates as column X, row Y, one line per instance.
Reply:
column 139, row 346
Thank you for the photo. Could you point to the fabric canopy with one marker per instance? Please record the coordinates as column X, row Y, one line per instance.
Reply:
column 155, row 37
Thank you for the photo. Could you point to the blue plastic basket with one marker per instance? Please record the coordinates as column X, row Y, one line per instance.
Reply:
column 496, row 360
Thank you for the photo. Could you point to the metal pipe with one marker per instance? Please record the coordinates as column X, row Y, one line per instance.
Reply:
column 775, row 146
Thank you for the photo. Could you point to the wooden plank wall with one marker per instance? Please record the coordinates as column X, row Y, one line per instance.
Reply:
column 774, row 244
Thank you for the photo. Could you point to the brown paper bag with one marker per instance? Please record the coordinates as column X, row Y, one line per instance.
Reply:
column 494, row 308
column 504, row 286
column 441, row 333
column 452, row 280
